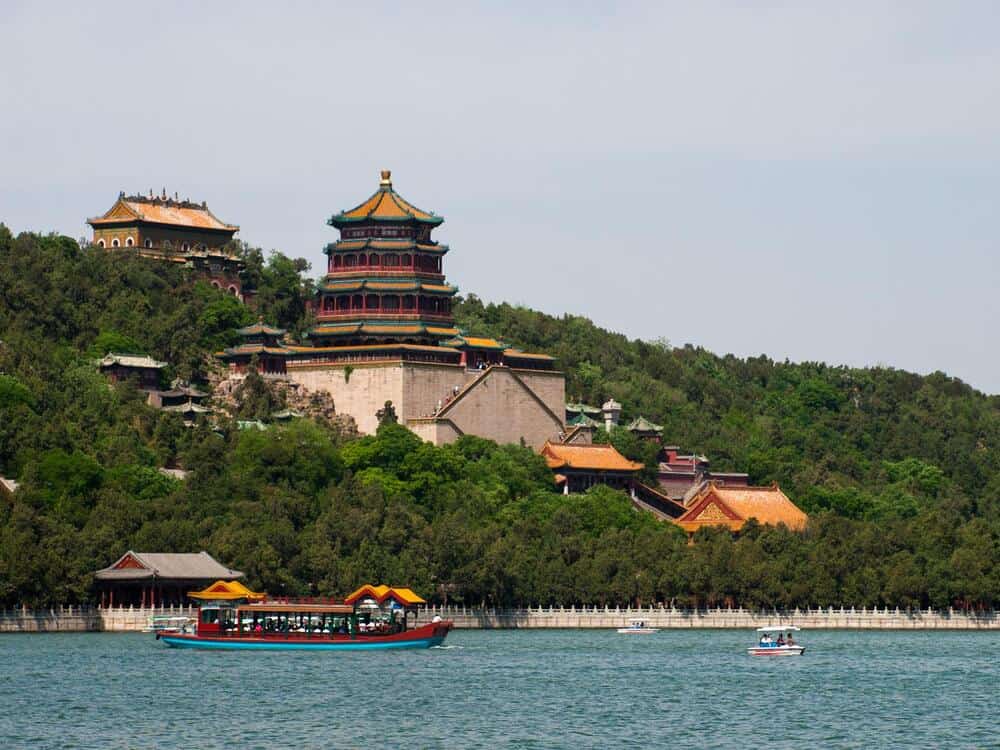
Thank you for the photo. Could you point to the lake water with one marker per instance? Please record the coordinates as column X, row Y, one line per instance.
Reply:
column 523, row 689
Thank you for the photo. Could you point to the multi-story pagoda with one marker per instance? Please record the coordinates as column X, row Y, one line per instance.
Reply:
column 384, row 281
column 173, row 230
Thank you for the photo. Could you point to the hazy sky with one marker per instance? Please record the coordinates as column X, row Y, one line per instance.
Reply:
column 817, row 181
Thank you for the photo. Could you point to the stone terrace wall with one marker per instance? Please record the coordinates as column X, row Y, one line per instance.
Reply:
column 662, row 617
column 83, row 619
column 128, row 619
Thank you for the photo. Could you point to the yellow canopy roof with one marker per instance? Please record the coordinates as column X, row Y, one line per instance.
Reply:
column 225, row 591
column 404, row 596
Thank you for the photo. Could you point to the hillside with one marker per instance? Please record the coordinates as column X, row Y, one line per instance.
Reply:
column 900, row 472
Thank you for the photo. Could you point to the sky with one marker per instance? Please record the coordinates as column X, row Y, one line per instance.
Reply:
column 810, row 181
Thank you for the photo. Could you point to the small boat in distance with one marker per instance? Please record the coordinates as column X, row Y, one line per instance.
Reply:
column 638, row 627
column 773, row 642
column 170, row 624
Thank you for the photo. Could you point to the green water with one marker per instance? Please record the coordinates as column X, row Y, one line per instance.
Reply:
column 530, row 689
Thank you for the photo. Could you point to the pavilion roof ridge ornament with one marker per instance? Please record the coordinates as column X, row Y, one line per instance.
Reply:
column 386, row 179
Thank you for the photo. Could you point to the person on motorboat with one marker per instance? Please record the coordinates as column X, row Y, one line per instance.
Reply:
column 781, row 639
column 789, row 641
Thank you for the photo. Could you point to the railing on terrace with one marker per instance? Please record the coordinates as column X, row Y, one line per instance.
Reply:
column 382, row 313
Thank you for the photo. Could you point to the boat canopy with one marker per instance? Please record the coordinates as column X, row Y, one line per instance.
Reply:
column 403, row 596
column 777, row 628
column 226, row 591
column 315, row 608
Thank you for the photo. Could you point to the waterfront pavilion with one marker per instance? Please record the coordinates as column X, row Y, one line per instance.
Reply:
column 158, row 579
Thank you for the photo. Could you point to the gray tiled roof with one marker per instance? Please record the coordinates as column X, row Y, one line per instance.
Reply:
column 183, row 565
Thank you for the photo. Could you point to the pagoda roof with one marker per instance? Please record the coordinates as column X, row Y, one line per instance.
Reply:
column 715, row 505
column 182, row 390
column 402, row 328
column 188, row 408
column 161, row 210
column 245, row 350
column 472, row 342
column 384, row 205
column 184, row 565
column 583, row 408
column 373, row 348
column 260, row 328
column 381, row 284
column 641, row 424
column 596, row 457
column 582, row 420
column 380, row 244
column 139, row 361
column 518, row 354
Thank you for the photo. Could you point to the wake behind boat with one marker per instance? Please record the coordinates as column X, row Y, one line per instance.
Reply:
column 232, row 617
column 773, row 642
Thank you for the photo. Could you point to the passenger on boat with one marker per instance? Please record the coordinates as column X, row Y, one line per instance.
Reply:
column 781, row 639
column 789, row 641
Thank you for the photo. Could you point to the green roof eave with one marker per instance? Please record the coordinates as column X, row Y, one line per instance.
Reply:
column 340, row 220
column 418, row 283
column 413, row 246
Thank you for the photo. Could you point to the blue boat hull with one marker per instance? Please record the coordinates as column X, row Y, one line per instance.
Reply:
column 232, row 644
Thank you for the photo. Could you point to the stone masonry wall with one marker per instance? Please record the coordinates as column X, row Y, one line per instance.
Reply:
column 503, row 406
column 127, row 619
column 361, row 394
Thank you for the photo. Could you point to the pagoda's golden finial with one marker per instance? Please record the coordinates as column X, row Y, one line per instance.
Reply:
column 386, row 180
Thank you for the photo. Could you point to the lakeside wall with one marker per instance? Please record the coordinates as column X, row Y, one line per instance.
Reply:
column 664, row 617
column 128, row 619
column 84, row 619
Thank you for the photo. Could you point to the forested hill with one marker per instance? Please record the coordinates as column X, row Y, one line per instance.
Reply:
column 860, row 441
column 899, row 472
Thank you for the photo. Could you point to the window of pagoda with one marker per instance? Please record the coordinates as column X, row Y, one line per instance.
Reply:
column 327, row 304
column 100, row 243
column 357, row 302
column 408, row 302
column 343, row 302
column 351, row 260
column 391, row 260
column 373, row 260
column 129, row 242
column 115, row 242
column 371, row 302
column 390, row 303
column 335, row 261
column 407, row 261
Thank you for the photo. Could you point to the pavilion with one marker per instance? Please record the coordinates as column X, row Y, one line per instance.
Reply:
column 717, row 505
column 579, row 467
column 157, row 579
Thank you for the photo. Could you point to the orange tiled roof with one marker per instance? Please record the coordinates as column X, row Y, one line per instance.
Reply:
column 162, row 211
column 442, row 331
column 371, row 347
column 385, row 204
column 594, row 457
column 733, row 506
column 404, row 596
column 515, row 354
column 480, row 343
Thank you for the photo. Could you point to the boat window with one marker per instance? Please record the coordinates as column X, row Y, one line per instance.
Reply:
column 209, row 615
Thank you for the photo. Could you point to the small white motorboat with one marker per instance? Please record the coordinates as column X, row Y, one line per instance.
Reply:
column 772, row 641
column 638, row 627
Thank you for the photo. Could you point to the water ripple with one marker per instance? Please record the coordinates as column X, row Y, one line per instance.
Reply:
column 524, row 689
